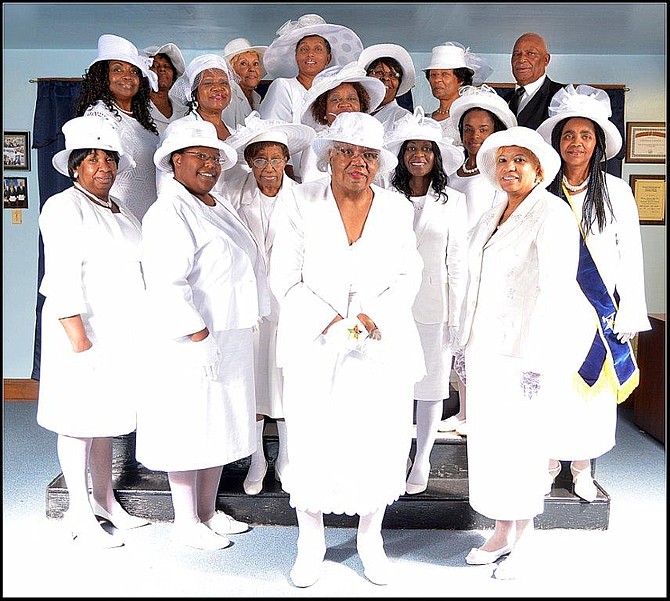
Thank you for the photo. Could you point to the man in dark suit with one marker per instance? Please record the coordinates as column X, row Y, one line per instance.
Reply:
column 534, row 90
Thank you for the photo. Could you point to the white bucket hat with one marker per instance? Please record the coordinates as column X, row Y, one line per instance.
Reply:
column 184, row 133
column 452, row 55
column 483, row 97
column 171, row 50
column 294, row 136
column 359, row 129
column 525, row 138
column 332, row 77
column 279, row 59
column 90, row 131
column 583, row 101
column 372, row 53
column 115, row 48
column 240, row 45
column 420, row 127
column 182, row 89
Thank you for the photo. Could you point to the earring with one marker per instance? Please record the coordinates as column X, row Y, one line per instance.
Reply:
column 75, row 175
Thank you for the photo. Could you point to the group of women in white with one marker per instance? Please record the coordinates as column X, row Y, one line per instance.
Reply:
column 323, row 256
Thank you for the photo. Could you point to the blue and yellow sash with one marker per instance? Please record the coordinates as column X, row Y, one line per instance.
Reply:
column 609, row 363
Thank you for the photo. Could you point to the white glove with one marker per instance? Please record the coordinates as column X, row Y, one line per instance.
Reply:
column 625, row 336
column 530, row 383
column 207, row 354
column 459, row 365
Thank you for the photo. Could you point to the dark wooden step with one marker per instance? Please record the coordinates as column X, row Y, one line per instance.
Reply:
column 444, row 505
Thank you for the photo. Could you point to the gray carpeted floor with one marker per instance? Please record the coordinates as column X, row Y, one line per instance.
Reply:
column 626, row 560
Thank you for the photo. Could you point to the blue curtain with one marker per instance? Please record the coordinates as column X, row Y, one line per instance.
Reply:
column 56, row 104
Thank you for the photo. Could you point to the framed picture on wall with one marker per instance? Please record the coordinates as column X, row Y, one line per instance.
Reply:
column 15, row 192
column 649, row 192
column 645, row 142
column 16, row 150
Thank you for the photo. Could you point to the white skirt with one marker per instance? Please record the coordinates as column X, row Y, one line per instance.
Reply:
column 436, row 353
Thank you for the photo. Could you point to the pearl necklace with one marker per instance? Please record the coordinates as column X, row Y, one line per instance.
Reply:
column 105, row 203
column 578, row 187
column 124, row 111
column 469, row 171
column 439, row 111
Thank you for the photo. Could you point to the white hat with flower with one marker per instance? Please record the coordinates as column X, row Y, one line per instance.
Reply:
column 420, row 127
column 359, row 129
column 279, row 59
column 115, row 48
column 452, row 55
column 587, row 102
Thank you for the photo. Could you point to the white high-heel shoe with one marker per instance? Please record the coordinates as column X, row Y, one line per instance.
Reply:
column 582, row 480
column 479, row 557
column 255, row 485
column 121, row 520
column 95, row 537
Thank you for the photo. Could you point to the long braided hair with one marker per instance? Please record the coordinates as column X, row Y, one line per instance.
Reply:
column 597, row 205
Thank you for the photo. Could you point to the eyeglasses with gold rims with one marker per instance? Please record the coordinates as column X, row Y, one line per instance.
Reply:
column 348, row 152
column 262, row 163
column 206, row 157
column 380, row 74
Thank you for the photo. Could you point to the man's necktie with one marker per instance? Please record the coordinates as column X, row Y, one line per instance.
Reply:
column 514, row 100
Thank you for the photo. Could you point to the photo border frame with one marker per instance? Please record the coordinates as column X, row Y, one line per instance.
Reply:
column 25, row 166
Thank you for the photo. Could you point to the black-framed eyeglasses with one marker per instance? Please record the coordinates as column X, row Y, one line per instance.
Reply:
column 379, row 74
column 262, row 163
column 349, row 152
column 206, row 157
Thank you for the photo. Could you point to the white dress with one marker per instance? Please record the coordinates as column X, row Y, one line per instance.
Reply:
column 441, row 241
column 521, row 293
column 584, row 425
column 261, row 213
column 348, row 404
column 92, row 269
column 135, row 187
column 201, row 266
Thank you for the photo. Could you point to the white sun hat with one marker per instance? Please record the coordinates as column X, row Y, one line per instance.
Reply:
column 240, row 45
column 420, row 127
column 294, row 136
column 583, row 101
column 114, row 48
column 452, row 55
column 171, row 50
column 184, row 133
column 279, row 59
column 483, row 97
column 525, row 138
column 359, row 129
column 332, row 77
column 90, row 131
column 372, row 53
column 182, row 89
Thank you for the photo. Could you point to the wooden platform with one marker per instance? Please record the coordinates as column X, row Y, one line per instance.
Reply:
column 444, row 505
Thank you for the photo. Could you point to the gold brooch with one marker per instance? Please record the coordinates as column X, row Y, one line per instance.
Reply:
column 354, row 332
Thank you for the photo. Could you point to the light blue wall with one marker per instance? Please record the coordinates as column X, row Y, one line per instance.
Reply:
column 646, row 101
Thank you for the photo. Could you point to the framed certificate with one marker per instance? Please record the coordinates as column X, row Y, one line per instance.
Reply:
column 649, row 192
column 645, row 142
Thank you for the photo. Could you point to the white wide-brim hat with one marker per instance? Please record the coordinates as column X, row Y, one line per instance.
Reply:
column 240, row 45
column 525, row 138
column 294, row 136
column 115, row 48
column 171, row 50
column 452, row 55
column 90, row 131
column 332, row 77
column 589, row 103
column 483, row 97
column 372, row 53
column 181, row 90
column 420, row 127
column 279, row 59
column 184, row 133
column 359, row 129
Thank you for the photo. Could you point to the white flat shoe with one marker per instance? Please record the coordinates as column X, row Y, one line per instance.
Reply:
column 95, row 537
column 585, row 487
column 253, row 487
column 415, row 489
column 222, row 523
column 306, row 570
column 450, row 424
column 477, row 557
column 121, row 520
column 199, row 536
